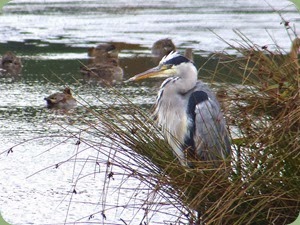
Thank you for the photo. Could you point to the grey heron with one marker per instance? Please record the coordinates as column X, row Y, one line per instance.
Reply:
column 188, row 111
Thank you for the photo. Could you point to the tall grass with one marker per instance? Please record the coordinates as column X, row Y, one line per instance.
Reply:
column 259, row 185
column 262, row 184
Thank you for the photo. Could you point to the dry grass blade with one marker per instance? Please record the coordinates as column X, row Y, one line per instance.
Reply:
column 133, row 134
column 266, row 111
column 261, row 186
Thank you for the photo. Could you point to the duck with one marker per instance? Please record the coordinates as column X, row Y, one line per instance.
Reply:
column 104, row 66
column 61, row 100
column 162, row 47
column 107, row 73
column 188, row 53
column 165, row 46
column 102, row 53
column 10, row 64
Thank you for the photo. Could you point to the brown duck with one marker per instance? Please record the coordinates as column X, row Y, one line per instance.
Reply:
column 104, row 67
column 61, row 100
column 164, row 46
column 10, row 64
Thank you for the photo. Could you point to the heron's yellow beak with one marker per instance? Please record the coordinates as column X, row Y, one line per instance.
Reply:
column 159, row 71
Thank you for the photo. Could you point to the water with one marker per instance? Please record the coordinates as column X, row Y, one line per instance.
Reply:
column 52, row 38
column 80, row 24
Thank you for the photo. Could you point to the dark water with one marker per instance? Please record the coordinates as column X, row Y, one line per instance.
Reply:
column 52, row 38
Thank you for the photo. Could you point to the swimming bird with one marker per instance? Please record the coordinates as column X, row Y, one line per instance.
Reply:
column 188, row 53
column 106, row 73
column 61, row 100
column 104, row 68
column 162, row 47
column 10, row 64
column 188, row 112
column 103, row 52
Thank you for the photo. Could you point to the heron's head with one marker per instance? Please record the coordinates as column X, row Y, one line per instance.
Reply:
column 173, row 64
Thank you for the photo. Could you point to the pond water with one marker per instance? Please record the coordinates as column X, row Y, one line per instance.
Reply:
column 52, row 37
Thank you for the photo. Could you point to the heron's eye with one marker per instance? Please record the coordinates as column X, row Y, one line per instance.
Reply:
column 168, row 66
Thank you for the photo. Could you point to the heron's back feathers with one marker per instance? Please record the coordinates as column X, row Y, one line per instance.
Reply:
column 208, row 137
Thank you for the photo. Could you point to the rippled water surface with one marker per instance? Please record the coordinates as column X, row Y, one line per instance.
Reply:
column 83, row 23
column 52, row 37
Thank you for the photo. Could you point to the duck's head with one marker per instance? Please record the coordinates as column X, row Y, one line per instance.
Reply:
column 61, row 100
column 163, row 47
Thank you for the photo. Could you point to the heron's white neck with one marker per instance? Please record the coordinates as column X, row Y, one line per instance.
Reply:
column 187, row 74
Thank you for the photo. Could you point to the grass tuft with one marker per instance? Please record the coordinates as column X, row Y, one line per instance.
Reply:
column 260, row 185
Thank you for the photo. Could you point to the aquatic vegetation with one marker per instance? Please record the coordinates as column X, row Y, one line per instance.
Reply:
column 258, row 186
column 261, row 186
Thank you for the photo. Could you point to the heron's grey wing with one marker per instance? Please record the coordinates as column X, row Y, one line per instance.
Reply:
column 211, row 136
column 200, row 86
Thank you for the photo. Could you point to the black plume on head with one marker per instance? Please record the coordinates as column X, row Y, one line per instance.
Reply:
column 177, row 60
